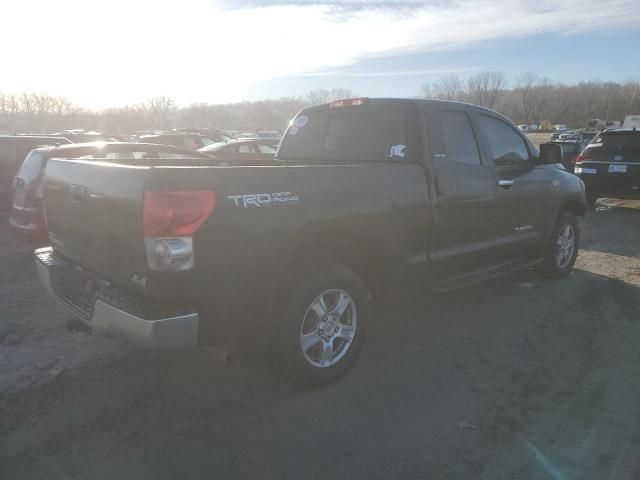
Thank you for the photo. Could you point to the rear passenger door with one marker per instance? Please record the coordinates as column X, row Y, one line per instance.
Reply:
column 524, row 190
column 465, row 187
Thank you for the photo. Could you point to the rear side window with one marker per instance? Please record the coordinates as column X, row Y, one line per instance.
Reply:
column 245, row 148
column 460, row 140
column 32, row 166
column 192, row 142
column 349, row 134
column 507, row 147
column 267, row 149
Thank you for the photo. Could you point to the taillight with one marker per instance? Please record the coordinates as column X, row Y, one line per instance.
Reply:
column 583, row 158
column 176, row 213
column 170, row 218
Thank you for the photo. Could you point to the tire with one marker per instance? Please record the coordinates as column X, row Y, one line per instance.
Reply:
column 562, row 250
column 332, row 340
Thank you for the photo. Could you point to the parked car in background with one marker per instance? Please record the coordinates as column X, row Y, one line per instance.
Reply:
column 13, row 150
column 560, row 127
column 631, row 121
column 83, row 136
column 533, row 128
column 610, row 165
column 269, row 134
column 242, row 150
column 192, row 141
column 571, row 149
column 216, row 135
column 523, row 128
column 27, row 217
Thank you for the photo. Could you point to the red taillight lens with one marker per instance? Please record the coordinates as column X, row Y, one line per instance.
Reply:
column 176, row 213
column 583, row 158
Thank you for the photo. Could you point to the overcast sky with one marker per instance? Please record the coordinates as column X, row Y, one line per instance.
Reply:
column 101, row 53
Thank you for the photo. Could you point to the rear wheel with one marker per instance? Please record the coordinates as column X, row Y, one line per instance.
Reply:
column 563, row 248
column 321, row 322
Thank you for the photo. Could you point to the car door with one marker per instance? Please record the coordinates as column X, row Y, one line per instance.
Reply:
column 465, row 191
column 524, row 189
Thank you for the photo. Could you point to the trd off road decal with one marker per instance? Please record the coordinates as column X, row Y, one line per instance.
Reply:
column 264, row 199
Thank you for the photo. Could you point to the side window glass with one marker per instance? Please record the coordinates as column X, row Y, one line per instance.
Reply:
column 266, row 149
column 460, row 141
column 507, row 147
column 245, row 148
column 192, row 143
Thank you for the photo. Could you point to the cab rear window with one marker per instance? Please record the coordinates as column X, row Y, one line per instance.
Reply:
column 349, row 134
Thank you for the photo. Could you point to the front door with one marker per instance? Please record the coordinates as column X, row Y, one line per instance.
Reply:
column 524, row 190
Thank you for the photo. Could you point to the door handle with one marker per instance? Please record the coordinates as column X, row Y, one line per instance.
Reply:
column 504, row 183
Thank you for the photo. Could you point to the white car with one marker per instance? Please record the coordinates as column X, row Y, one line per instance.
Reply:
column 560, row 128
column 524, row 128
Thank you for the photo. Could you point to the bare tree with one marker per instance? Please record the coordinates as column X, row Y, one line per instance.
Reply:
column 449, row 87
column 533, row 93
column 316, row 97
column 486, row 87
column 160, row 109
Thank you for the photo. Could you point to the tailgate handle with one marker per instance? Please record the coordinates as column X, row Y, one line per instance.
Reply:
column 78, row 193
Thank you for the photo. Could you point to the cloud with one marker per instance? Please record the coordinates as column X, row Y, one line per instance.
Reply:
column 395, row 73
column 206, row 50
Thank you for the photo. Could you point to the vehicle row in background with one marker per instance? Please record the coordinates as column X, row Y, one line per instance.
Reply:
column 610, row 165
column 27, row 217
column 242, row 150
column 13, row 150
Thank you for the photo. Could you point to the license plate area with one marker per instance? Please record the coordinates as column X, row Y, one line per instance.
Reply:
column 617, row 169
column 76, row 289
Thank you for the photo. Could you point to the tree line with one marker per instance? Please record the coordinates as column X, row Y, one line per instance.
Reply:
column 527, row 99
column 530, row 98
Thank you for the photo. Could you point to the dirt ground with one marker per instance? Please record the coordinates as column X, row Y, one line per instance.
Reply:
column 518, row 378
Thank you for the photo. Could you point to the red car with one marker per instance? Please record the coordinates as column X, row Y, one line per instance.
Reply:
column 27, row 215
column 242, row 150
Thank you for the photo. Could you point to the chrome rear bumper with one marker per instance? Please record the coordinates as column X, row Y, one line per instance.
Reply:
column 170, row 332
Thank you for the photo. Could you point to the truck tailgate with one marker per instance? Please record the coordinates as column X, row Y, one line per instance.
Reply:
column 94, row 215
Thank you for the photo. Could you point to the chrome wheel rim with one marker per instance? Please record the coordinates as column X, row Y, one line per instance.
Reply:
column 328, row 328
column 565, row 245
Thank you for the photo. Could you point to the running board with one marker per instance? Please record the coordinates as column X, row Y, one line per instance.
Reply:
column 484, row 275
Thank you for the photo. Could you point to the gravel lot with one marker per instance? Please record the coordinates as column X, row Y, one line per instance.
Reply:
column 518, row 378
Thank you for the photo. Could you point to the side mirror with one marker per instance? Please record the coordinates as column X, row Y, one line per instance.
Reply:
column 549, row 153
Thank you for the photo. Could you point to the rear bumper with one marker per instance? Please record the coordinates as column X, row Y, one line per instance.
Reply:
column 603, row 186
column 170, row 331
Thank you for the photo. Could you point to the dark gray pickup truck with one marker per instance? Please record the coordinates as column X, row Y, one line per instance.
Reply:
column 289, row 253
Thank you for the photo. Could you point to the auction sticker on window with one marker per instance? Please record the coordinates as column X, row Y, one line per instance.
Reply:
column 301, row 121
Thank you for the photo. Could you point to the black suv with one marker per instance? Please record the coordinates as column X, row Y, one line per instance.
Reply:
column 610, row 165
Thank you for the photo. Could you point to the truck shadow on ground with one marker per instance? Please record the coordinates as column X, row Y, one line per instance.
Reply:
column 509, row 378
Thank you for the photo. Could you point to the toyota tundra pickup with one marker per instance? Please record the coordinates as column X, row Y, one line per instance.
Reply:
column 289, row 253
